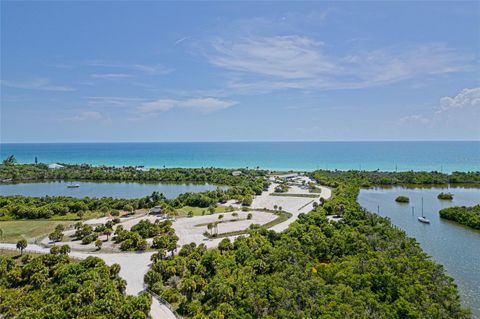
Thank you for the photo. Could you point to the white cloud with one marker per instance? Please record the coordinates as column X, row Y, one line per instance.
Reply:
column 298, row 62
column 112, row 76
column 459, row 114
column 87, row 116
column 467, row 98
column 416, row 118
column 42, row 84
column 205, row 105
column 113, row 101
column 152, row 69
column 288, row 57
column 181, row 40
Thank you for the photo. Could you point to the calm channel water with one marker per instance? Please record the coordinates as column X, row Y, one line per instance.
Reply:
column 97, row 189
column 454, row 246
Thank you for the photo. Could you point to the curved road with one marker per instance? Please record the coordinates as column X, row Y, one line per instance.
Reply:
column 135, row 265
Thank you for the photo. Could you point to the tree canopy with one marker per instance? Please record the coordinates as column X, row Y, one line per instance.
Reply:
column 52, row 286
column 359, row 267
column 468, row 216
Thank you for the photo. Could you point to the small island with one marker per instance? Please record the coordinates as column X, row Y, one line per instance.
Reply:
column 468, row 216
column 402, row 199
column 445, row 196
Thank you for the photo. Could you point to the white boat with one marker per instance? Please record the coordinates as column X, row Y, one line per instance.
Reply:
column 73, row 186
column 422, row 218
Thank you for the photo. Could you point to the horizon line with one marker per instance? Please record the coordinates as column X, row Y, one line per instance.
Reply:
column 240, row 141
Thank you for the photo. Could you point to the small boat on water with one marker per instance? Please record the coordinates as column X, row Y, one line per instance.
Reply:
column 422, row 218
column 73, row 186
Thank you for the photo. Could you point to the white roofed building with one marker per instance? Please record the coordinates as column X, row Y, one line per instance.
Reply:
column 55, row 166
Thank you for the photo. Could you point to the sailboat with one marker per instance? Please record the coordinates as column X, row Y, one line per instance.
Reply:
column 422, row 218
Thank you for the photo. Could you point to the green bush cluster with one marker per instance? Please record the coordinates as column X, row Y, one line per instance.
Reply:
column 52, row 286
column 445, row 196
column 468, row 216
column 219, row 176
column 135, row 239
column 23, row 207
column 402, row 199
column 360, row 267
column 368, row 178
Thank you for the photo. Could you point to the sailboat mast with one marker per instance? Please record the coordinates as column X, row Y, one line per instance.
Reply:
column 422, row 207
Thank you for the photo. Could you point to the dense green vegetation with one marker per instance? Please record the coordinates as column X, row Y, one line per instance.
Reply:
column 366, row 178
column 52, row 286
column 243, row 187
column 68, row 208
column 469, row 216
column 162, row 233
column 402, row 199
column 445, row 196
column 38, row 172
column 360, row 267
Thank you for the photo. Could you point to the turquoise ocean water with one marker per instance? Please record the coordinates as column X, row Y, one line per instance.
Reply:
column 401, row 156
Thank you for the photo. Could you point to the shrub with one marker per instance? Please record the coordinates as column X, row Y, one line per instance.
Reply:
column 126, row 244
column 56, row 236
column 445, row 196
column 402, row 199
column 88, row 239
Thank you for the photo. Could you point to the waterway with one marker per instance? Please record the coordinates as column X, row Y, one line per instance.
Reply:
column 454, row 246
column 101, row 189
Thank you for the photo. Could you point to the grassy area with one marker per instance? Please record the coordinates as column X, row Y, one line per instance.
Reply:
column 18, row 229
column 198, row 211
column 220, row 221
column 294, row 195
column 281, row 217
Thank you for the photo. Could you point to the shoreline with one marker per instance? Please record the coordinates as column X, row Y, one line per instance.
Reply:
column 442, row 156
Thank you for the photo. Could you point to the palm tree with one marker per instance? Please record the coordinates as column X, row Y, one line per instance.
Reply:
column 22, row 244
column 65, row 250
column 10, row 160
column 209, row 227
column 172, row 244
column 107, row 232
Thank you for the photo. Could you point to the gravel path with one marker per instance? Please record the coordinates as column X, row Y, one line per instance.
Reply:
column 188, row 229
column 293, row 205
column 135, row 265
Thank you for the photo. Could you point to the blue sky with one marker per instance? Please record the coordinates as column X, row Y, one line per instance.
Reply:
column 239, row 71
